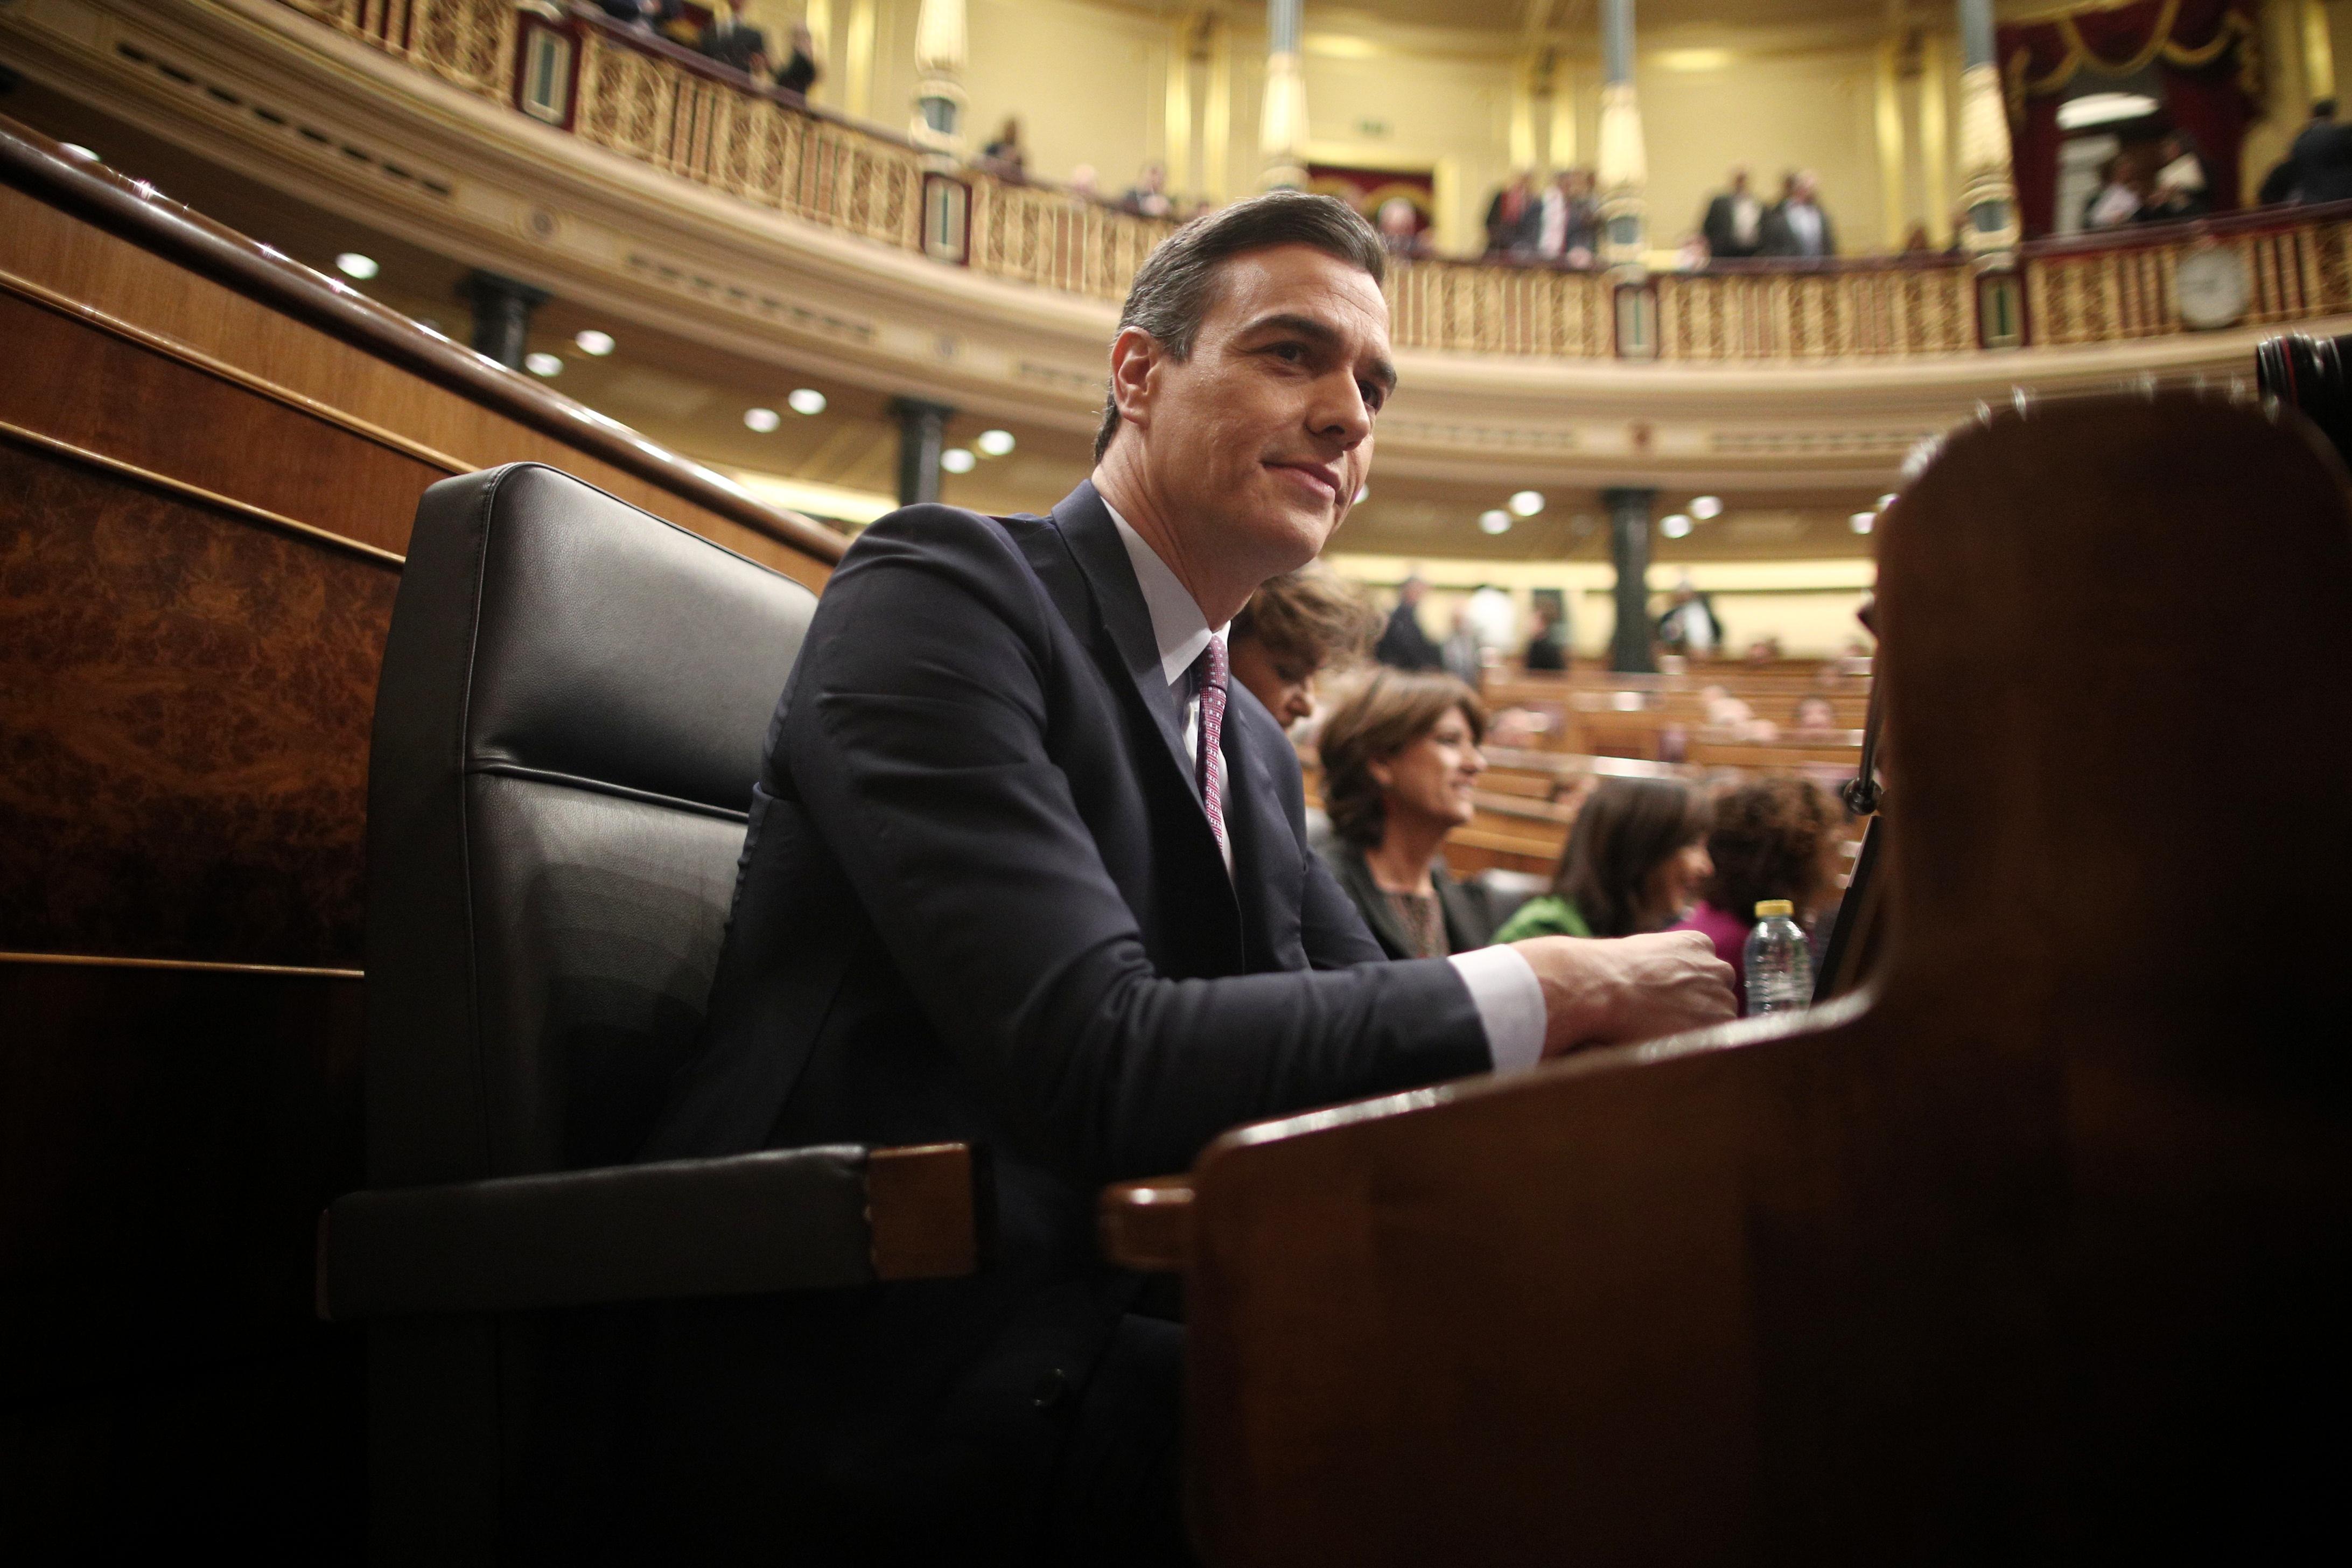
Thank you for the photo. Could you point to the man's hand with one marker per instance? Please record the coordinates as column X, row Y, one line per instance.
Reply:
column 1624, row 989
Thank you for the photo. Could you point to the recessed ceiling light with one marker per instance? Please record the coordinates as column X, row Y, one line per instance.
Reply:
column 79, row 150
column 1862, row 521
column 993, row 443
column 542, row 365
column 761, row 419
column 1526, row 503
column 593, row 342
column 1706, row 506
column 352, row 263
column 1675, row 525
column 1494, row 521
column 2103, row 109
column 958, row 459
column 806, row 400
column 1885, row 501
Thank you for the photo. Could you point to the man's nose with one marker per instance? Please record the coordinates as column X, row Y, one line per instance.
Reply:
column 1341, row 415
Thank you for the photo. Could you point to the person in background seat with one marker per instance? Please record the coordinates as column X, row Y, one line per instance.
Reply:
column 1403, row 645
column 1774, row 838
column 732, row 41
column 799, row 73
column 1400, row 756
column 1734, row 224
column 1635, row 860
column 1293, row 628
column 1797, row 225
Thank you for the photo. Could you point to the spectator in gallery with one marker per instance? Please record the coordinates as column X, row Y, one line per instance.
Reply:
column 1403, row 645
column 1635, row 860
column 1400, row 758
column 732, row 41
column 800, row 72
column 1147, row 197
column 2318, row 167
column 1547, row 651
column 2183, row 185
column 1085, row 183
column 1797, row 225
column 1568, row 220
column 1734, row 224
column 1773, row 839
column 1400, row 225
column 1689, row 626
column 1004, row 156
column 1693, row 255
column 645, row 14
column 1294, row 628
column 1510, row 216
column 2118, row 201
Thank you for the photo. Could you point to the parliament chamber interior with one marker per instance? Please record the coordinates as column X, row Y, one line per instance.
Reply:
column 736, row 827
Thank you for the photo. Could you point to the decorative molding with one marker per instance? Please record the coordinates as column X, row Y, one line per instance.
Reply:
column 199, row 966
column 172, row 348
column 196, row 493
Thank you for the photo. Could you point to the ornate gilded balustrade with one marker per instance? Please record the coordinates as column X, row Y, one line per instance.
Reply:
column 1752, row 310
column 651, row 99
column 2294, row 263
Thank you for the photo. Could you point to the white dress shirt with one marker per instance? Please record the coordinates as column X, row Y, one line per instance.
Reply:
column 1805, row 224
column 1503, row 987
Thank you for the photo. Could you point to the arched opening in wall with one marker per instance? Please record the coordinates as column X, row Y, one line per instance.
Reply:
column 2112, row 131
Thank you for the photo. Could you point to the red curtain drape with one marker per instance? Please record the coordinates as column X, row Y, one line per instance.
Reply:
column 2206, row 53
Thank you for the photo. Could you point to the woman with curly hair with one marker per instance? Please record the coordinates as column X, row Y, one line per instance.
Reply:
column 1774, row 838
column 1633, row 861
column 1400, row 755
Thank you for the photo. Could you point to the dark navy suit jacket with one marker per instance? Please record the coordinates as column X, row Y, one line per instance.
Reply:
column 979, row 900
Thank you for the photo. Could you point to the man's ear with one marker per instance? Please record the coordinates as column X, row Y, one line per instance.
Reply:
column 1134, row 355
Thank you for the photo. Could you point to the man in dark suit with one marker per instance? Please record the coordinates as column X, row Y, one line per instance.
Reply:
column 1797, row 225
column 2318, row 167
column 1734, row 221
column 1403, row 644
column 1024, row 871
column 732, row 41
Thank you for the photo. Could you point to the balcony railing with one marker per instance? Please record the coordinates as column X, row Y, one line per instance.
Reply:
column 648, row 99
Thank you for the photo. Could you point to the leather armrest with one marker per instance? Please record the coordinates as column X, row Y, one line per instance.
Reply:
column 790, row 1219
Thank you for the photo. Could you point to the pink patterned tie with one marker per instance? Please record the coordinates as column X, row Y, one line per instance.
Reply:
column 1209, row 676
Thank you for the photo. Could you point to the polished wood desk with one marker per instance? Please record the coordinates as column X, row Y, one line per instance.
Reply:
column 209, row 458
column 2038, row 1247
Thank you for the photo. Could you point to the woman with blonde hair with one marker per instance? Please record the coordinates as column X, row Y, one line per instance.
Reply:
column 1400, row 756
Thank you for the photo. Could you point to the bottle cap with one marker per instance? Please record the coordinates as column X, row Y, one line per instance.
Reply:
column 1765, row 910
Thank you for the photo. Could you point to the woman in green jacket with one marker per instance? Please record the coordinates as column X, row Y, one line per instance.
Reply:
column 1634, row 863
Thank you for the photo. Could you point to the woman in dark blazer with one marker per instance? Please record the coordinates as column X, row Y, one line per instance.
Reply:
column 1400, row 756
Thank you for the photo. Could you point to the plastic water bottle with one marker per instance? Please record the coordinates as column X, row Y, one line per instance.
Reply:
column 1779, row 961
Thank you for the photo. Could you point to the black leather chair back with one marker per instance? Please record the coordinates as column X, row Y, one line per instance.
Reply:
column 572, row 706
column 574, row 702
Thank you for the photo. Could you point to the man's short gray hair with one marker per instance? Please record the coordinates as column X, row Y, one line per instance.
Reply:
column 1177, row 283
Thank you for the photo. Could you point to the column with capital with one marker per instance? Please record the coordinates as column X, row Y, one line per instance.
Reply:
column 922, row 436
column 940, row 51
column 1624, row 163
column 1281, row 122
column 1987, row 183
column 1630, row 650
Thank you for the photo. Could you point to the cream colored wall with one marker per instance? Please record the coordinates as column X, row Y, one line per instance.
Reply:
column 1809, row 605
column 1088, row 84
column 1772, row 112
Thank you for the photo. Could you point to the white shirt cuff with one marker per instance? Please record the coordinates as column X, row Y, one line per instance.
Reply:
column 1509, row 999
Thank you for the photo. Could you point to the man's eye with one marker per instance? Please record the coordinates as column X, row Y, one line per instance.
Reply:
column 1291, row 353
column 1371, row 394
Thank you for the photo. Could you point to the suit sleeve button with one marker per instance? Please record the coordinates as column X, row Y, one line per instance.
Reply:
column 1053, row 1387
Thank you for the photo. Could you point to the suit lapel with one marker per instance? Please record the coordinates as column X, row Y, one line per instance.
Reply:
column 1084, row 525
column 1267, row 870
column 1356, row 877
